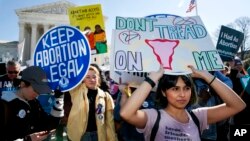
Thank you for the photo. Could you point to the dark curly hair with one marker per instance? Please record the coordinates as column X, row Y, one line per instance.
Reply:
column 168, row 81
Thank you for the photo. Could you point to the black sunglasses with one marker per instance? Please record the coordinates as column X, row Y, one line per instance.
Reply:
column 11, row 72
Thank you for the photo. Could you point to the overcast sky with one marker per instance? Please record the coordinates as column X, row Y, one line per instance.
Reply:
column 213, row 13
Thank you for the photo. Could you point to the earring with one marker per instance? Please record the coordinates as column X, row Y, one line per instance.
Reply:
column 163, row 94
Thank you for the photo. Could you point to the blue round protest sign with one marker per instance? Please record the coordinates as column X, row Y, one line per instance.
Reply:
column 64, row 53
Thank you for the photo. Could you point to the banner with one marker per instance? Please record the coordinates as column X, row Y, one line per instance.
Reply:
column 90, row 20
column 229, row 42
column 64, row 53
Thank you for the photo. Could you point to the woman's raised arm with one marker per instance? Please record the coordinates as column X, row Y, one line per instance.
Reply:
column 130, row 110
column 232, row 102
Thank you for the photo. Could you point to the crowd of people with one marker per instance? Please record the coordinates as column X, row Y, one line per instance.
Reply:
column 197, row 106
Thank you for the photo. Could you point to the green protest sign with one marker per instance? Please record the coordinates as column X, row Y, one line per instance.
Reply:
column 229, row 42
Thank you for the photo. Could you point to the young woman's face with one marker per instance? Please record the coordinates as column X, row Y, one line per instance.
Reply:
column 179, row 95
column 91, row 80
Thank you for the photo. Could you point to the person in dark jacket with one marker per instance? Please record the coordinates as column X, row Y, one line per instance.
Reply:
column 9, row 82
column 235, row 74
column 23, row 115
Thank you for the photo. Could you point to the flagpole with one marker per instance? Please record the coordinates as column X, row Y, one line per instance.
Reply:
column 20, row 51
column 196, row 7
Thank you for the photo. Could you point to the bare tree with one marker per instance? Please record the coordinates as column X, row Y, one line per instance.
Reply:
column 243, row 25
column 217, row 32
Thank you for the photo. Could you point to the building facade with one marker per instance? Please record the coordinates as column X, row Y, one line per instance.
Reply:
column 35, row 21
column 8, row 51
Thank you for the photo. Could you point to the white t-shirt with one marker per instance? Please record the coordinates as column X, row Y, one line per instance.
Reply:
column 173, row 130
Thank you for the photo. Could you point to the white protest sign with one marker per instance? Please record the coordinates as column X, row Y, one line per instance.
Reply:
column 64, row 53
column 142, row 44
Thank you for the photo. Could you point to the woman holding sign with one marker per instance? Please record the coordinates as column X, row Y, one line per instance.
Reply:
column 91, row 115
column 175, row 93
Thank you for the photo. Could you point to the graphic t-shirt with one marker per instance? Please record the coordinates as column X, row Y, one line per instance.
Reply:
column 8, row 86
column 173, row 130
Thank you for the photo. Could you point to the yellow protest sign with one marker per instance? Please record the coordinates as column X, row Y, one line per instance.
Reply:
column 82, row 16
column 90, row 20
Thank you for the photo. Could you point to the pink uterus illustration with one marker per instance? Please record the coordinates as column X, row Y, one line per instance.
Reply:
column 163, row 49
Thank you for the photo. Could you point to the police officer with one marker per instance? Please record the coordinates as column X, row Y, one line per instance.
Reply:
column 22, row 113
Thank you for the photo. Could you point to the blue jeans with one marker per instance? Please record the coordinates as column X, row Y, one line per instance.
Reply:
column 89, row 136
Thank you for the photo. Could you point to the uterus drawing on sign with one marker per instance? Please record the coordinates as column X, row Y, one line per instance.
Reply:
column 129, row 36
column 163, row 49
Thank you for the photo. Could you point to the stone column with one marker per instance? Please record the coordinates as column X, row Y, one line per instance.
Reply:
column 21, row 31
column 45, row 27
column 33, row 38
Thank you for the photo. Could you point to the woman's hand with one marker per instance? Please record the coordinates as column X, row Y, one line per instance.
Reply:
column 124, row 88
column 156, row 75
column 203, row 74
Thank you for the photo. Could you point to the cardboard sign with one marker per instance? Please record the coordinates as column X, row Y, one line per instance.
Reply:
column 86, row 18
column 64, row 53
column 142, row 44
column 135, row 78
column 229, row 42
column 88, row 15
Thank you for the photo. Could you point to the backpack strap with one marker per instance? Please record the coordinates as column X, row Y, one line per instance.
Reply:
column 156, row 126
column 196, row 121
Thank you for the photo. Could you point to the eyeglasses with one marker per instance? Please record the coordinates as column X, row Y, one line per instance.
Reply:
column 13, row 72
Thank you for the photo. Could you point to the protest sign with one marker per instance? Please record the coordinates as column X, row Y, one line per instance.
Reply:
column 245, row 82
column 161, row 16
column 64, row 53
column 229, row 42
column 134, row 78
column 142, row 44
column 90, row 20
